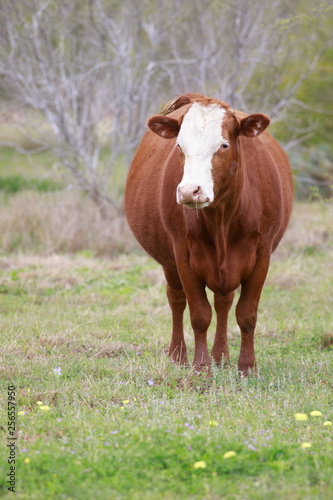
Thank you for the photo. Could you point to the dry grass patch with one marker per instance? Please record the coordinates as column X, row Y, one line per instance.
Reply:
column 310, row 230
column 326, row 340
column 63, row 271
column 106, row 349
column 154, row 276
column 289, row 275
column 48, row 223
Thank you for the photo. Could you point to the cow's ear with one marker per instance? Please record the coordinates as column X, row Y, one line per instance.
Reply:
column 164, row 126
column 253, row 125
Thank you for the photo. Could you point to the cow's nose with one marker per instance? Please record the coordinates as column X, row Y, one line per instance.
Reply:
column 189, row 193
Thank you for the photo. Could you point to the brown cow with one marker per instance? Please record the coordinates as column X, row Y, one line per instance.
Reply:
column 209, row 196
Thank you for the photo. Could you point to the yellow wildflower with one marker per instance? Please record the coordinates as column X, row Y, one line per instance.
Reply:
column 21, row 412
column 213, row 423
column 126, row 402
column 316, row 413
column 301, row 417
column 39, row 403
column 229, row 454
column 200, row 465
column 306, row 445
column 27, row 460
column 44, row 408
column 327, row 423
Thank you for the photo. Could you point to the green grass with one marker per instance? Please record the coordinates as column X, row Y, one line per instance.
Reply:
column 123, row 423
column 19, row 172
column 15, row 183
column 32, row 165
column 43, row 172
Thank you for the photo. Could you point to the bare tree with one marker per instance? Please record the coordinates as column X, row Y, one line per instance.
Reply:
column 80, row 63
column 253, row 54
column 51, row 67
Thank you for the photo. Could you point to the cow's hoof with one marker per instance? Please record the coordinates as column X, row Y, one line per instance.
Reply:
column 202, row 367
column 246, row 371
column 179, row 360
column 203, row 371
column 223, row 363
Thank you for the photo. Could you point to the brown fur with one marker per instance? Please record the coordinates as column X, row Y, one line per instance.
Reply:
column 222, row 246
column 185, row 99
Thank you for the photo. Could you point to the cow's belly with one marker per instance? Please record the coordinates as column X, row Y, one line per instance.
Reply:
column 148, row 229
column 146, row 196
column 156, row 244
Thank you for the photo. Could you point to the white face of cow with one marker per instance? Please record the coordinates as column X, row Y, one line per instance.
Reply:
column 200, row 136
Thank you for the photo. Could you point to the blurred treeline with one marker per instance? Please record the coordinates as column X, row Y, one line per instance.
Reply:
column 81, row 77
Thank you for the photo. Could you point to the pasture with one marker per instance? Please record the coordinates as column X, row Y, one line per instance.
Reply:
column 101, row 413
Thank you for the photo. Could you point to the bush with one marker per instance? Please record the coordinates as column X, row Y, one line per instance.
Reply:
column 313, row 172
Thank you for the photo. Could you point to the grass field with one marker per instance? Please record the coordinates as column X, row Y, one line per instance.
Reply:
column 102, row 414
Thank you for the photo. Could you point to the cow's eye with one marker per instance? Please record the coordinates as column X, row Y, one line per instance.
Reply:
column 225, row 145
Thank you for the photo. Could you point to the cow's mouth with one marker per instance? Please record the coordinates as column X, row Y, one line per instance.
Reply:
column 196, row 205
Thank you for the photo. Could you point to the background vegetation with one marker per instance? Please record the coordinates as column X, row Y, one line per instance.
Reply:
column 79, row 79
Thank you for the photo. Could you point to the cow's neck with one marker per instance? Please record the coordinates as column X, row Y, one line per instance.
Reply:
column 211, row 226
column 218, row 221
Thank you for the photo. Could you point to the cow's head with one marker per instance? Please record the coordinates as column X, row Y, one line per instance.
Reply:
column 207, row 141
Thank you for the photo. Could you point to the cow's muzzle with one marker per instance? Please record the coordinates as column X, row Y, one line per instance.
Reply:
column 192, row 196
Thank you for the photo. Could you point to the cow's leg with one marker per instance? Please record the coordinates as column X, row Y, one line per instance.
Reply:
column 177, row 301
column 222, row 304
column 201, row 315
column 246, row 314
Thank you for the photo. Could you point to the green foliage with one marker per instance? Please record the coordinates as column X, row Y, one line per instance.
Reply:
column 317, row 92
column 313, row 113
column 258, row 58
column 313, row 172
column 15, row 183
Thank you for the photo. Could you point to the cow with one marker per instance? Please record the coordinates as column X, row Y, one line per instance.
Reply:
column 209, row 195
